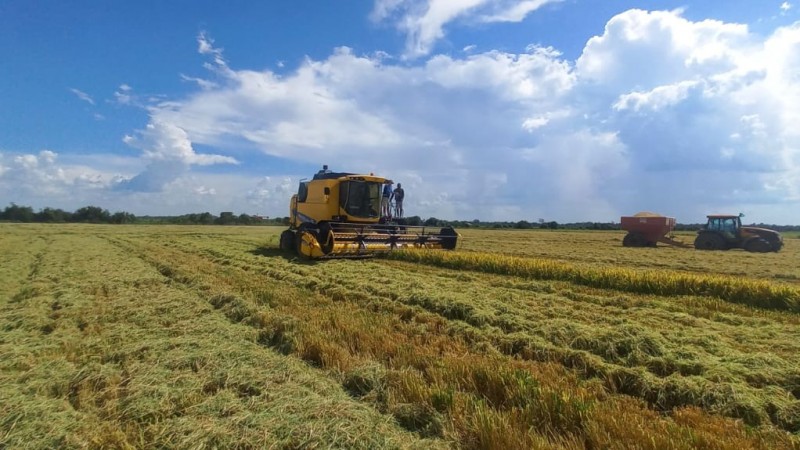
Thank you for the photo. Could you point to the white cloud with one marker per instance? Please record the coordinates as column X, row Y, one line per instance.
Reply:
column 124, row 95
column 83, row 96
column 169, row 154
column 785, row 6
column 166, row 142
column 33, row 177
column 423, row 21
column 512, row 10
column 643, row 50
column 657, row 98
column 707, row 103
column 658, row 113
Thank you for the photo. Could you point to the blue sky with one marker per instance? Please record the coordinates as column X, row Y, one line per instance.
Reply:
column 564, row 110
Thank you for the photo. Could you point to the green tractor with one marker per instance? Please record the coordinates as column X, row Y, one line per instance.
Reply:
column 724, row 232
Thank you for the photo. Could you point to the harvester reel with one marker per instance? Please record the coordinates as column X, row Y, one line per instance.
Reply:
column 709, row 241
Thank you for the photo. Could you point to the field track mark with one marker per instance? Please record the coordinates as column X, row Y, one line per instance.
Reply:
column 154, row 367
column 659, row 393
column 227, row 298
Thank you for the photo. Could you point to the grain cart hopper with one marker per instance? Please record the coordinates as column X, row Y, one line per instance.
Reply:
column 646, row 229
column 723, row 232
column 337, row 215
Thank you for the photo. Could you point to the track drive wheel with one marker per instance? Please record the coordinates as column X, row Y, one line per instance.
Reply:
column 304, row 243
column 757, row 245
column 709, row 241
column 325, row 237
column 287, row 241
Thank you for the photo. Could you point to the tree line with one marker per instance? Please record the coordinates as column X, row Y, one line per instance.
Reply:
column 96, row 214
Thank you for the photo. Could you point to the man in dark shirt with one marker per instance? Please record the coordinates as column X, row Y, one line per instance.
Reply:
column 399, row 194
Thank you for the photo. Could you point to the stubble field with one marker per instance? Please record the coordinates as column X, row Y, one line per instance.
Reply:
column 204, row 337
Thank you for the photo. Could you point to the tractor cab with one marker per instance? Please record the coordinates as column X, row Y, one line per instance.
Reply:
column 729, row 227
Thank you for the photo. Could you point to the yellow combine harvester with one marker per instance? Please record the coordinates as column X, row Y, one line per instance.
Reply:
column 337, row 215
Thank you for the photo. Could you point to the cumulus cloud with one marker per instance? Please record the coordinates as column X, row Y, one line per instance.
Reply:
column 658, row 113
column 657, row 101
column 423, row 21
column 169, row 154
column 36, row 177
column 708, row 115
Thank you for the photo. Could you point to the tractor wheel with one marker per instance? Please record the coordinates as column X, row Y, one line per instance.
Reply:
column 757, row 245
column 709, row 241
column 287, row 241
column 634, row 240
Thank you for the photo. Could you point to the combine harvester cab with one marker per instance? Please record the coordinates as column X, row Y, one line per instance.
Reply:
column 647, row 229
column 337, row 215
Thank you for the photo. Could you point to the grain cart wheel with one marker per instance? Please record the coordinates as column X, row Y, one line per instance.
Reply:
column 709, row 241
column 757, row 245
column 287, row 241
column 633, row 239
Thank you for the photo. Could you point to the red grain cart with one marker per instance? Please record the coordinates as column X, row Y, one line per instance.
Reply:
column 645, row 230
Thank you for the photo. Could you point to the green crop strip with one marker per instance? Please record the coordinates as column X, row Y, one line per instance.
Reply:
column 755, row 293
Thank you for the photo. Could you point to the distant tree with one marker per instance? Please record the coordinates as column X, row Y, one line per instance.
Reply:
column 522, row 225
column 91, row 214
column 122, row 217
column 50, row 215
column 432, row 222
column 244, row 219
column 226, row 218
column 552, row 225
column 205, row 218
column 16, row 213
column 413, row 220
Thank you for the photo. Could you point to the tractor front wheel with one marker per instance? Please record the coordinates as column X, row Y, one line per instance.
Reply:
column 757, row 245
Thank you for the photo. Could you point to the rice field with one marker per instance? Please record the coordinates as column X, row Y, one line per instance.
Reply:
column 209, row 337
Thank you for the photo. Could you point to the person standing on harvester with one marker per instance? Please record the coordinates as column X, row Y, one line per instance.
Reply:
column 387, row 197
column 399, row 194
